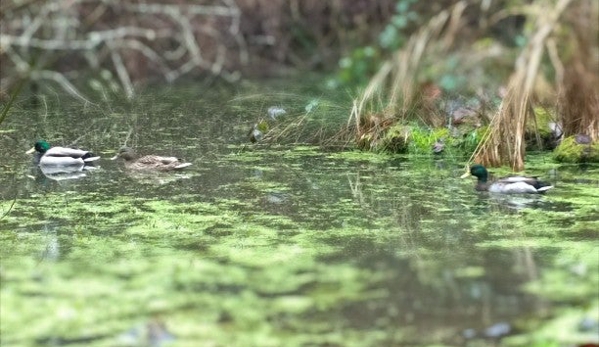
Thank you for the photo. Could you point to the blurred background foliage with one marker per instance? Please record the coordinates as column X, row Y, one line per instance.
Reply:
column 109, row 45
column 435, row 63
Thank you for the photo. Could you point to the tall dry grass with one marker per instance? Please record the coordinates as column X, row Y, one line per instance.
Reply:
column 579, row 92
column 399, row 74
column 504, row 142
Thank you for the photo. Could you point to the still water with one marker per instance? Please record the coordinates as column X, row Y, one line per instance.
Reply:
column 279, row 244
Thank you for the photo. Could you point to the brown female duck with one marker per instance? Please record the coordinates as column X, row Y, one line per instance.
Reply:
column 149, row 162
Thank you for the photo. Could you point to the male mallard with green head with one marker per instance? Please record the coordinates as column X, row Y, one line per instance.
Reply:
column 506, row 185
column 47, row 156
column 149, row 162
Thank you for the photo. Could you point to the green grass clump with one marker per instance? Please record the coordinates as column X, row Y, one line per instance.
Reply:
column 569, row 151
column 397, row 139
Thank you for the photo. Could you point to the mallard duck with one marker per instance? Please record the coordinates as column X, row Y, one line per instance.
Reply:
column 149, row 162
column 47, row 156
column 506, row 185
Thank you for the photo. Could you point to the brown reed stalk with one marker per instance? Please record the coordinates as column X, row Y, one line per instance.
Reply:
column 579, row 93
column 505, row 141
column 400, row 73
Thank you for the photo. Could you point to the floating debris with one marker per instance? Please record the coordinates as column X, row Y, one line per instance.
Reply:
column 438, row 146
column 275, row 111
column 255, row 134
column 556, row 129
column 495, row 331
column 498, row 330
column 258, row 130
column 583, row 139
column 151, row 334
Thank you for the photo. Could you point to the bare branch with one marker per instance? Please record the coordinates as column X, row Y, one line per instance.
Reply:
column 79, row 32
column 121, row 71
column 190, row 9
column 62, row 81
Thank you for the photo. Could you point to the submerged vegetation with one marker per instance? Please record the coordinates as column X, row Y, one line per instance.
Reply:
column 289, row 246
column 277, row 245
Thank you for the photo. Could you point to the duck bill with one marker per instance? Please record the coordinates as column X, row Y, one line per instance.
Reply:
column 115, row 157
column 467, row 174
column 30, row 151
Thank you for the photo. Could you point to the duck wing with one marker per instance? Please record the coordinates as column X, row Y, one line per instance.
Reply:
column 519, row 184
column 174, row 163
column 513, row 187
column 160, row 163
column 182, row 165
column 72, row 153
column 169, row 160
column 153, row 160
column 61, row 162
column 65, row 152
column 515, row 179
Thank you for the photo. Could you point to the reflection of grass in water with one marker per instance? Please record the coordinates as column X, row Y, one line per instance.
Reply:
column 230, row 280
column 136, row 271
column 564, row 329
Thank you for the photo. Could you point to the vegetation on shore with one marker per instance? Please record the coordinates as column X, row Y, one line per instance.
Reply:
column 457, row 65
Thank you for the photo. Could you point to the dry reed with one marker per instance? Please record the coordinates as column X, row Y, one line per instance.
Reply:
column 400, row 74
column 504, row 142
column 579, row 94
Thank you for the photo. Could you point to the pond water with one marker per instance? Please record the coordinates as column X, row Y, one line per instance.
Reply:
column 280, row 245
